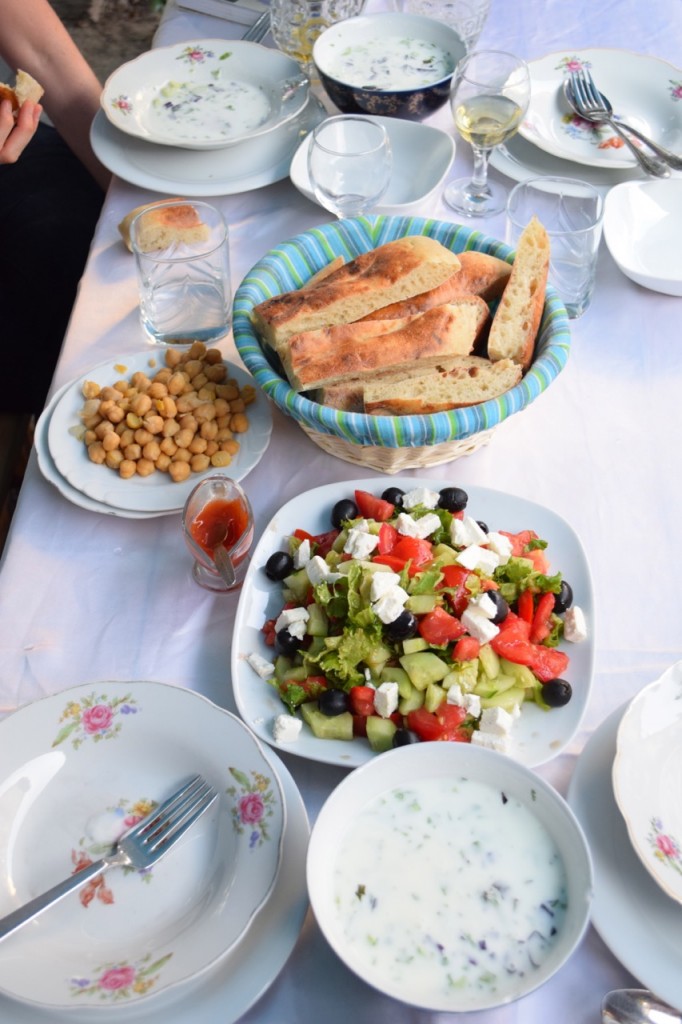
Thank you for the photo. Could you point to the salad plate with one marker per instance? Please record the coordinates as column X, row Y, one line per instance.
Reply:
column 537, row 735
column 249, row 165
column 155, row 493
column 638, row 922
column 204, row 94
column 647, row 778
column 80, row 767
column 641, row 228
column 413, row 179
column 645, row 91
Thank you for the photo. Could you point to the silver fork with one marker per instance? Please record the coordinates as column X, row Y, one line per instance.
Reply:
column 140, row 847
column 588, row 102
column 258, row 30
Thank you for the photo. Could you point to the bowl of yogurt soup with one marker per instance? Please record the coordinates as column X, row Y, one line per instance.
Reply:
column 393, row 64
column 449, row 877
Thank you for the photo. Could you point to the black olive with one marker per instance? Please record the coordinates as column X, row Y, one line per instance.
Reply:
column 402, row 628
column 286, row 642
column 394, row 495
column 279, row 565
column 484, row 526
column 404, row 737
column 454, row 499
column 556, row 693
column 343, row 510
column 332, row 702
column 564, row 599
column 501, row 605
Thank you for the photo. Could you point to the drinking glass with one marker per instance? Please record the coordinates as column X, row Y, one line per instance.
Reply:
column 349, row 164
column 489, row 96
column 467, row 17
column 296, row 24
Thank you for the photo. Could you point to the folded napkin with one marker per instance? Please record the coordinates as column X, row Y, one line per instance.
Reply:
column 242, row 12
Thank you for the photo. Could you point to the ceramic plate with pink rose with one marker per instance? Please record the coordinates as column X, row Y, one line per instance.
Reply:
column 76, row 770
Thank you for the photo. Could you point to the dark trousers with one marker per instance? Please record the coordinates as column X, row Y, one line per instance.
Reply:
column 49, row 206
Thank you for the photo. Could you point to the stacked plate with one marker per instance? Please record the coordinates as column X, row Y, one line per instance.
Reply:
column 209, row 117
column 553, row 140
column 627, row 793
column 64, row 462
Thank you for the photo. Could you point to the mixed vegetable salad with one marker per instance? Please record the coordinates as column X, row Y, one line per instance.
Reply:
column 410, row 620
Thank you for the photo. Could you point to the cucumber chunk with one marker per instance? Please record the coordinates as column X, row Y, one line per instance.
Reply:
column 325, row 727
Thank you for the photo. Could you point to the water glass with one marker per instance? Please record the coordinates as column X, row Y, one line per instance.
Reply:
column 349, row 164
column 572, row 212
column 182, row 255
column 466, row 17
column 218, row 512
column 296, row 24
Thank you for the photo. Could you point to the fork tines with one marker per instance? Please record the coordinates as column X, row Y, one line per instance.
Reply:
column 173, row 817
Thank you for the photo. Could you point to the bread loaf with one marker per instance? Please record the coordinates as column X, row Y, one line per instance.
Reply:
column 517, row 319
column 335, row 354
column 25, row 88
column 396, row 270
column 467, row 380
column 162, row 225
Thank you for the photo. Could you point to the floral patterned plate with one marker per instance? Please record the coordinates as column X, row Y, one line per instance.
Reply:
column 644, row 91
column 647, row 778
column 79, row 768
column 206, row 94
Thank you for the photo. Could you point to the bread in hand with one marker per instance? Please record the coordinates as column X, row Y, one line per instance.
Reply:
column 25, row 88
column 162, row 225
column 460, row 382
column 397, row 270
column 517, row 318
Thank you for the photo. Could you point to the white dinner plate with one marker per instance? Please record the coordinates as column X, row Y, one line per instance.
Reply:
column 643, row 90
column 520, row 160
column 538, row 735
column 422, row 157
column 642, row 231
column 249, row 165
column 80, row 767
column 636, row 920
column 203, row 94
column 155, row 493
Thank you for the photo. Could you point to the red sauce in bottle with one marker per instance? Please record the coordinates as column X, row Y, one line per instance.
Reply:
column 215, row 517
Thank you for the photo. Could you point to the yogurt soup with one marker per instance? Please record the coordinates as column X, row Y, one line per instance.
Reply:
column 449, row 886
column 393, row 62
column 194, row 112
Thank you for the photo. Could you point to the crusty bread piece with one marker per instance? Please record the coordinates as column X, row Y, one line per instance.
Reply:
column 479, row 274
column 396, row 270
column 25, row 88
column 314, row 359
column 517, row 318
column 161, row 227
column 337, row 262
column 349, row 395
column 459, row 382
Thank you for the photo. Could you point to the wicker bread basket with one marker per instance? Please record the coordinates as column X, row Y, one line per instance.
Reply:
column 389, row 444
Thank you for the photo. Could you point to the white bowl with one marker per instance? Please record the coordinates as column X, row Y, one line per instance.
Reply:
column 414, row 178
column 647, row 778
column 642, row 230
column 449, row 877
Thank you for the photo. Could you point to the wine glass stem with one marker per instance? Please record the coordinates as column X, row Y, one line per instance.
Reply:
column 480, row 176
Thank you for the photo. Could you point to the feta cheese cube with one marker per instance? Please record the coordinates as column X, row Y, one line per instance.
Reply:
column 316, row 570
column 575, row 626
column 478, row 625
column 490, row 741
column 472, row 704
column 420, row 496
column 484, row 604
column 500, row 544
column 477, row 557
column 286, row 729
column 419, row 528
column 261, row 666
column 386, row 699
column 381, row 583
column 464, row 532
column 293, row 619
column 455, row 695
column 496, row 721
column 302, row 556
column 390, row 605
column 360, row 543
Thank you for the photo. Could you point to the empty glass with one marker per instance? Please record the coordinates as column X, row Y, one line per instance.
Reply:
column 218, row 512
column 349, row 164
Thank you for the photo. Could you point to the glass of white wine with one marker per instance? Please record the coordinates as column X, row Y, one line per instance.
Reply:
column 489, row 97
column 349, row 164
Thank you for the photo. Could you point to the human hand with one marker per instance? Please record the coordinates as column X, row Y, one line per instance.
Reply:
column 16, row 135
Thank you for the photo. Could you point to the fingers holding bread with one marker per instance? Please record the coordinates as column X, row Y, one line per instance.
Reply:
column 24, row 88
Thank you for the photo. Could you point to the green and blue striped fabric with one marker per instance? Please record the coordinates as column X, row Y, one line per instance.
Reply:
column 294, row 262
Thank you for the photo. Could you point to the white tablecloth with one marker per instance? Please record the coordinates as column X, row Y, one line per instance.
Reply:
column 87, row 597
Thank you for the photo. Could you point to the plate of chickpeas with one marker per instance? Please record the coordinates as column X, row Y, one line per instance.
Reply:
column 138, row 433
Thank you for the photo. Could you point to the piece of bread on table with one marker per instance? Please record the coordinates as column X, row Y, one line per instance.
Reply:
column 159, row 228
column 479, row 274
column 467, row 380
column 331, row 355
column 24, row 88
column 396, row 270
column 517, row 318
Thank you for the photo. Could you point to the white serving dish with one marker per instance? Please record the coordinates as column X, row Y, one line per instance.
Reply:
column 647, row 778
column 422, row 157
column 643, row 90
column 203, row 94
column 477, row 810
column 642, row 231
column 77, row 768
